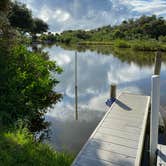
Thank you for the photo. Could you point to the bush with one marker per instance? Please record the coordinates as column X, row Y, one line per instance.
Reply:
column 26, row 86
column 147, row 46
column 162, row 38
column 17, row 147
column 121, row 44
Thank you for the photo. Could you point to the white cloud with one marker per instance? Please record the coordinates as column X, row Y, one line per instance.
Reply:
column 157, row 7
column 89, row 14
column 127, row 73
column 29, row 4
column 45, row 13
column 61, row 16
column 61, row 59
column 48, row 14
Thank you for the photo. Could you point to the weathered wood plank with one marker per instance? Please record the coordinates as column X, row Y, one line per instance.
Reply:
column 121, row 127
column 110, row 147
column 121, row 133
column 124, row 129
column 109, row 156
column 85, row 161
column 116, row 122
column 118, row 139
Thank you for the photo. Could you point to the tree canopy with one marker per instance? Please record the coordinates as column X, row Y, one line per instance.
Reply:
column 21, row 17
column 145, row 27
column 25, row 83
column 39, row 26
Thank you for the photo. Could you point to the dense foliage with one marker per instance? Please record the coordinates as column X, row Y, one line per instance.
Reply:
column 143, row 28
column 18, row 147
column 21, row 17
column 26, row 91
column 26, row 86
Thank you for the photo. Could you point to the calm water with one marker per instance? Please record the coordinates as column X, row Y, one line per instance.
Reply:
column 96, row 71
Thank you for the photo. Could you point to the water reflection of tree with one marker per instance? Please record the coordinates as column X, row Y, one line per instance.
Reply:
column 141, row 58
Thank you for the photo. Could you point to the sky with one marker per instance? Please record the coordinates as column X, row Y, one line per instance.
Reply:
column 89, row 14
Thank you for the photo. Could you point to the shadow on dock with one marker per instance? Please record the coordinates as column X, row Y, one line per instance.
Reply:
column 122, row 105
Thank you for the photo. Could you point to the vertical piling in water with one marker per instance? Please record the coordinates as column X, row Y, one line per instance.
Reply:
column 155, row 103
column 157, row 66
column 76, row 89
column 113, row 91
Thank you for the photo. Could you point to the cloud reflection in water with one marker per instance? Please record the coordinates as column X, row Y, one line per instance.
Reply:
column 95, row 73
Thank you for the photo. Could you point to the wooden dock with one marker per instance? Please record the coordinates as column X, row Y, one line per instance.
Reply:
column 119, row 137
column 161, row 155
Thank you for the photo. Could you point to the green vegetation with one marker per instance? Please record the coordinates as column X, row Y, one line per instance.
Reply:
column 140, row 45
column 162, row 38
column 147, row 33
column 20, row 17
column 26, row 84
column 18, row 147
column 141, row 28
column 142, row 58
column 26, row 88
column 121, row 44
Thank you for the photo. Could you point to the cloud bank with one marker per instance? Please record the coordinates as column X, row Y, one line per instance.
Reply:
column 87, row 14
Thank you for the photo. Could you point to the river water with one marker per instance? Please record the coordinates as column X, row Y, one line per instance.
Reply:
column 97, row 68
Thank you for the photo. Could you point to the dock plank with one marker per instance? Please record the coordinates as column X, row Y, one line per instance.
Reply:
column 119, row 137
column 109, row 156
column 110, row 147
column 121, row 133
column 116, row 140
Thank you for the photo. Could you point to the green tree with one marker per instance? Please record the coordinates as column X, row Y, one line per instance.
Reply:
column 118, row 34
column 39, row 26
column 25, row 82
column 155, row 28
column 21, row 17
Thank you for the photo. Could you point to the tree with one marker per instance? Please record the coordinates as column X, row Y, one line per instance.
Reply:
column 25, row 83
column 21, row 17
column 118, row 34
column 26, row 86
column 155, row 28
column 39, row 26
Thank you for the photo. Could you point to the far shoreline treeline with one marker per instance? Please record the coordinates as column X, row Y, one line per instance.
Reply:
column 147, row 33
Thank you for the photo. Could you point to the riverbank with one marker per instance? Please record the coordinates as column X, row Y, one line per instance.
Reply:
column 138, row 45
column 18, row 147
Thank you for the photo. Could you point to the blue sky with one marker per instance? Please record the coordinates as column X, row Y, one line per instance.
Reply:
column 87, row 14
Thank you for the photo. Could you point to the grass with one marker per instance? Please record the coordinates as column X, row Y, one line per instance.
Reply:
column 141, row 45
column 138, row 45
column 148, row 46
column 19, row 148
column 95, row 43
column 121, row 44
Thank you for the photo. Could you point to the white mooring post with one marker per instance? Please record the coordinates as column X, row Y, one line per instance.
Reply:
column 154, row 120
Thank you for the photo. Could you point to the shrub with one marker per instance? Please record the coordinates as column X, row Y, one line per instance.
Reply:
column 121, row 44
column 26, row 86
column 162, row 38
column 17, row 147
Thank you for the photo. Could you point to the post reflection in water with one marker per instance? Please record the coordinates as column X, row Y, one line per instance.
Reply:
column 96, row 71
column 76, row 88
